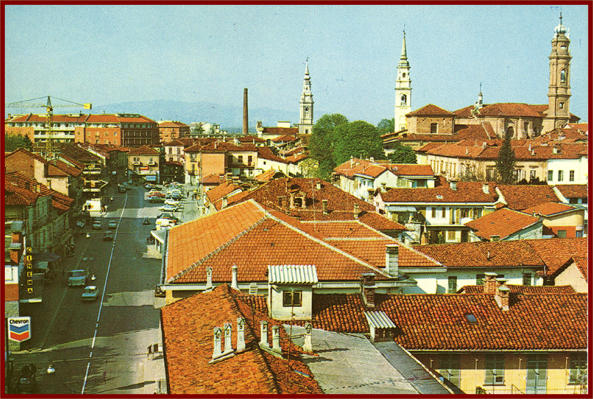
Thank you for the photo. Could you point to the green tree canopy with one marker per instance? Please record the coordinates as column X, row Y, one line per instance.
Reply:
column 386, row 126
column 322, row 140
column 505, row 164
column 14, row 141
column 357, row 139
column 402, row 154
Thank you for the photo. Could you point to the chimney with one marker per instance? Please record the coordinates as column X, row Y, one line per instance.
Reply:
column 372, row 159
column 555, row 150
column 225, row 202
column 240, row 334
column 490, row 283
column 453, row 185
column 318, row 185
column 245, row 114
column 494, row 237
column 234, row 277
column 228, row 345
column 291, row 199
column 208, row 278
column 351, row 162
column 356, row 211
column 308, row 344
column 392, row 259
column 263, row 340
column 217, row 343
column 502, row 297
column 486, row 188
column 529, row 147
column 276, row 339
column 367, row 287
column 324, row 206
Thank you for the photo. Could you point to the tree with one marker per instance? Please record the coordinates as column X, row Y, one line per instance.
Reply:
column 322, row 142
column 14, row 141
column 357, row 139
column 386, row 126
column 402, row 154
column 505, row 164
column 310, row 168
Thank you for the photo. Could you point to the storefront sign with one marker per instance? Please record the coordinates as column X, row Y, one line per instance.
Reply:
column 19, row 328
column 29, row 269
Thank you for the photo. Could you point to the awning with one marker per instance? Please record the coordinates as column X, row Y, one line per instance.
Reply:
column 401, row 208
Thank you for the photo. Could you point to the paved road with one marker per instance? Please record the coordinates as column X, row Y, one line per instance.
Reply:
column 101, row 347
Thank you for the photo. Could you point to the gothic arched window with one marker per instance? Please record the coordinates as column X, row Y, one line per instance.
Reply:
column 563, row 76
column 404, row 99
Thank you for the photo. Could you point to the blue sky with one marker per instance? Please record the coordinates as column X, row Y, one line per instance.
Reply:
column 109, row 54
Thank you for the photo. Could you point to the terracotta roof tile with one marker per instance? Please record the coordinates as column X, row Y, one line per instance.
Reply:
column 524, row 196
column 411, row 170
column 172, row 124
column 143, row 150
column 187, row 333
column 555, row 252
column 430, row 110
column 280, row 131
column 442, row 193
column 549, row 208
column 525, row 289
column 503, row 222
column 222, row 190
column 504, row 109
column 438, row 322
column 573, row 190
column 213, row 179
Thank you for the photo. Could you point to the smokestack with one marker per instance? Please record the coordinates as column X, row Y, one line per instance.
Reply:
column 367, row 287
column 245, row 114
column 392, row 259
column 490, row 284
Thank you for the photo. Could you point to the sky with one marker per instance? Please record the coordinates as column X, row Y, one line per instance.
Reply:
column 119, row 53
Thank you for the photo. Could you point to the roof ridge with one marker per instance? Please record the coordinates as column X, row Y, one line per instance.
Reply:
column 327, row 245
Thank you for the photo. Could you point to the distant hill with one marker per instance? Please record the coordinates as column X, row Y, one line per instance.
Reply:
column 229, row 117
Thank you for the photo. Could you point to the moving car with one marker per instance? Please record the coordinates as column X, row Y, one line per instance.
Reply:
column 168, row 208
column 121, row 188
column 77, row 278
column 171, row 201
column 90, row 293
column 108, row 236
column 112, row 224
column 97, row 225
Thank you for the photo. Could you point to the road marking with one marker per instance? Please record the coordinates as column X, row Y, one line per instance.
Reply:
column 88, row 366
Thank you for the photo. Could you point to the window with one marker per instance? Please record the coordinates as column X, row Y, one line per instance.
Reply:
column 464, row 212
column 550, row 175
column 433, row 212
column 404, row 98
column 532, row 174
column 240, row 158
column 561, row 105
column 293, row 298
column 561, row 234
column 560, row 175
column 563, row 76
column 578, row 233
column 477, row 213
column 480, row 279
column 578, row 370
column 526, row 278
column 571, row 175
column 452, row 284
column 450, row 368
column 434, row 127
column 249, row 159
column 451, row 235
column 443, row 212
column 494, row 370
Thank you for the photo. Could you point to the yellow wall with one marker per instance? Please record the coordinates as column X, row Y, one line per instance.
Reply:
column 472, row 372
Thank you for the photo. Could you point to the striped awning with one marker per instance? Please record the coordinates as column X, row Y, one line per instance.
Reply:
column 379, row 320
column 292, row 274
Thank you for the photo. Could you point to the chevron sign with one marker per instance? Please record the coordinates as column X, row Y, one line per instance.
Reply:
column 19, row 328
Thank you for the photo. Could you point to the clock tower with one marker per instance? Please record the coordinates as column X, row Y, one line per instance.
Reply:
column 403, row 90
column 306, row 105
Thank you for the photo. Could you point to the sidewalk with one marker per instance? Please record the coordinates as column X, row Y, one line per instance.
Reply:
column 154, row 368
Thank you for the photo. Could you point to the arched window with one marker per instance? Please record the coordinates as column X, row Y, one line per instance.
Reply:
column 510, row 131
column 563, row 76
column 404, row 99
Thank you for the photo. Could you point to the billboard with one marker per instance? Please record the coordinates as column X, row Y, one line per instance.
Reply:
column 19, row 328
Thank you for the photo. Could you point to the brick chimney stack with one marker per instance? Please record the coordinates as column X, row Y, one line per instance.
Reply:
column 245, row 113
column 502, row 297
column 324, row 206
column 490, row 283
column 392, row 259
column 367, row 288
column 276, row 339
column 208, row 278
column 234, row 283
column 263, row 340
column 356, row 211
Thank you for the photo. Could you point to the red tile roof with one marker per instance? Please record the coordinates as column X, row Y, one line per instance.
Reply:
column 466, row 192
column 22, row 190
column 524, row 196
column 286, row 138
column 504, row 109
column 67, row 169
column 502, row 222
column 524, row 289
column 266, row 153
column 411, row 170
column 542, row 321
column 143, row 150
column 213, row 179
column 357, row 166
column 219, row 192
column 251, row 139
column 280, row 131
column 549, row 209
column 172, row 124
column 573, row 190
column 187, row 333
column 555, row 252
column 430, row 110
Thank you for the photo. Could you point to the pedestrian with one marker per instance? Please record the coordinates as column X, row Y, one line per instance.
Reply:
column 104, row 376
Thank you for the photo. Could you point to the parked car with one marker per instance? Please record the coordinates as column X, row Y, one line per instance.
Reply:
column 90, row 293
column 171, row 201
column 121, row 188
column 77, row 278
column 112, row 224
column 148, row 186
column 108, row 236
column 97, row 225
column 168, row 208
column 156, row 199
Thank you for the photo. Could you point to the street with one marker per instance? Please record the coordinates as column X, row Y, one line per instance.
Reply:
column 100, row 347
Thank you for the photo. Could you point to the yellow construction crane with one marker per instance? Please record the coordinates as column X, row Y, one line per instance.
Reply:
column 49, row 109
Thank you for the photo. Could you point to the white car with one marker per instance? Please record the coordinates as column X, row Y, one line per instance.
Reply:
column 172, row 202
column 168, row 208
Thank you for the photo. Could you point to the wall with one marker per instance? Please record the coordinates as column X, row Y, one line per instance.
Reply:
column 421, row 124
column 279, row 312
column 570, row 222
column 573, row 277
column 213, row 164
column 579, row 166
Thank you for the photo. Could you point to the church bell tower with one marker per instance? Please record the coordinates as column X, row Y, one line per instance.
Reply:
column 403, row 90
column 558, row 112
column 306, row 105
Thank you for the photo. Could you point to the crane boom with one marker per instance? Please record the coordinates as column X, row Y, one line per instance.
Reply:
column 49, row 150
